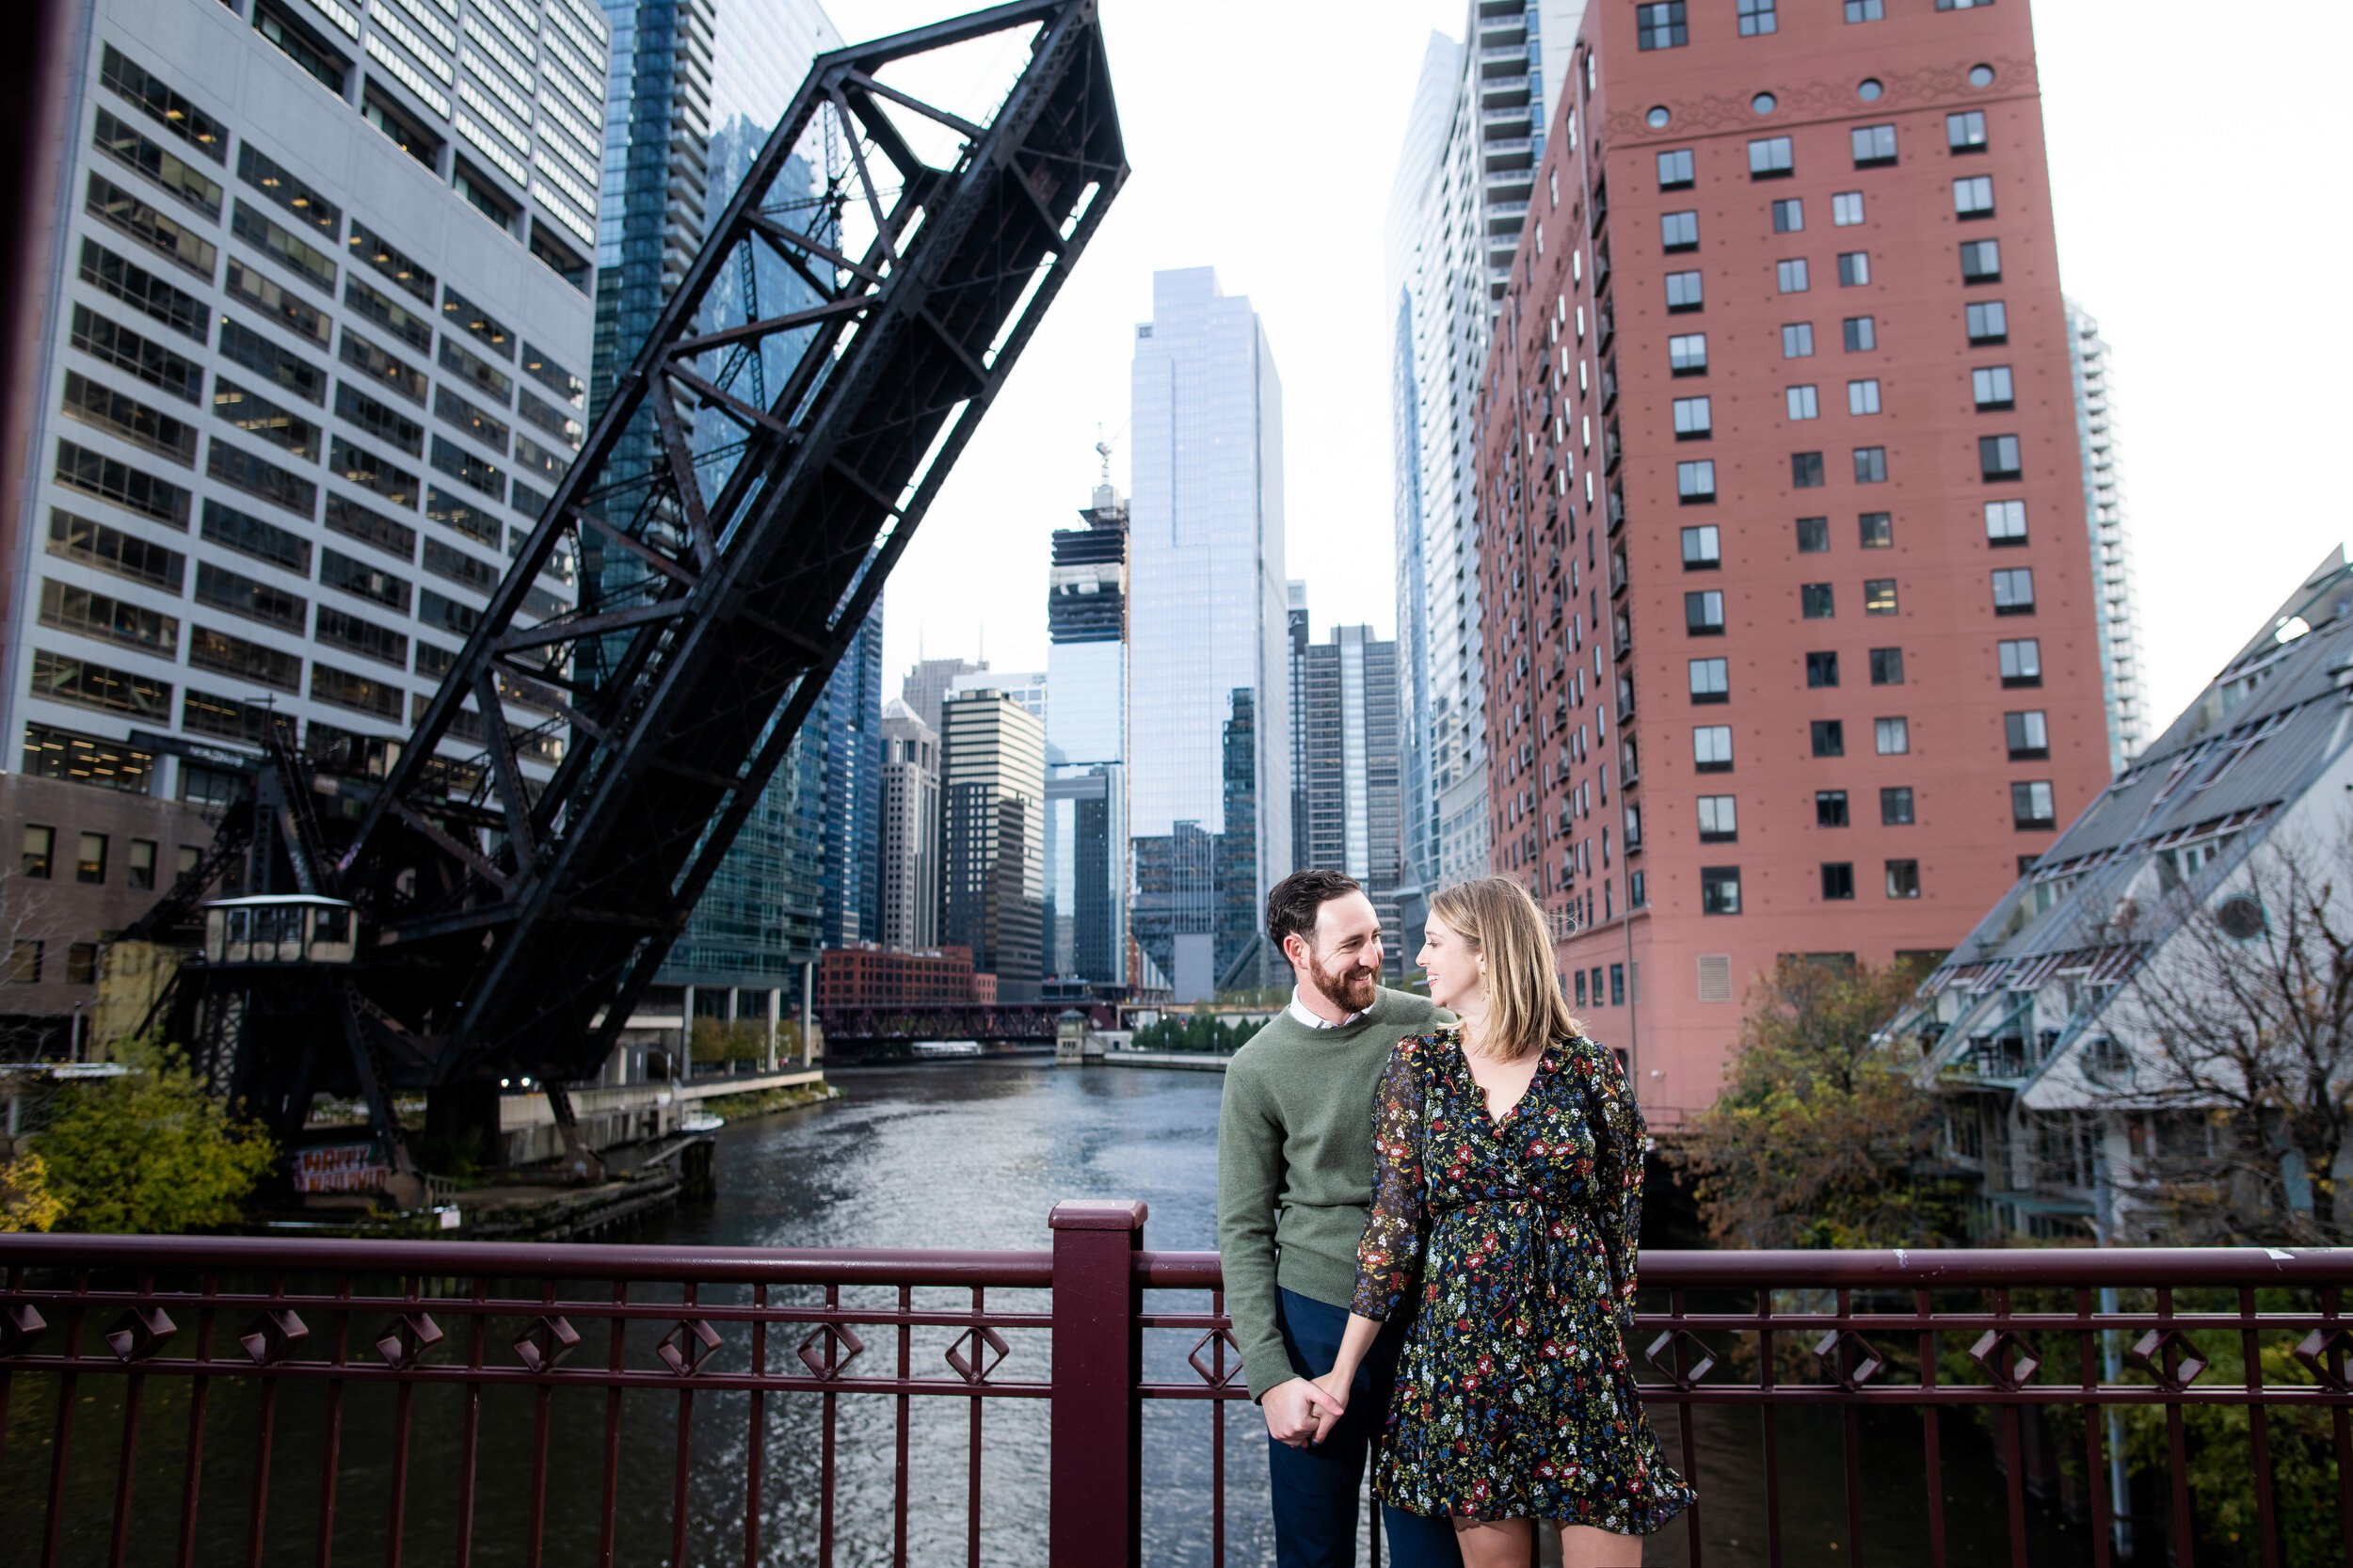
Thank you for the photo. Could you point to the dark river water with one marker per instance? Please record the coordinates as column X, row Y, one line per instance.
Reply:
column 943, row 1155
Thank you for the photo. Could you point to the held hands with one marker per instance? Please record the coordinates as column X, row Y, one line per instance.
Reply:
column 1332, row 1388
column 1299, row 1411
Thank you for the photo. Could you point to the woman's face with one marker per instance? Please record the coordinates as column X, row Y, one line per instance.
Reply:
column 1457, row 975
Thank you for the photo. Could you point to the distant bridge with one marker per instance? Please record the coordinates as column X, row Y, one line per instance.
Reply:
column 1008, row 1022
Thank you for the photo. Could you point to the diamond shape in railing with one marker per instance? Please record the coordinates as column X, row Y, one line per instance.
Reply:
column 2148, row 1353
column 406, row 1341
column 2319, row 1349
column 1208, row 1372
column 977, row 1353
column 546, row 1342
column 841, row 1335
column 20, row 1325
column 687, row 1346
column 2004, row 1359
column 1688, row 1379
column 139, row 1333
column 1868, row 1366
column 276, row 1331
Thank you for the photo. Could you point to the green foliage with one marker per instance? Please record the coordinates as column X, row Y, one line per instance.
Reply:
column 150, row 1152
column 716, row 1040
column 26, row 1201
column 1203, row 1032
column 1819, row 1137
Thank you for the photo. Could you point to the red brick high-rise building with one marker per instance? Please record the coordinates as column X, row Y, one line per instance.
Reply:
column 1792, row 641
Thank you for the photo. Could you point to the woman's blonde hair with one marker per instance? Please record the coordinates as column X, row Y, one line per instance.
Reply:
column 1525, row 1007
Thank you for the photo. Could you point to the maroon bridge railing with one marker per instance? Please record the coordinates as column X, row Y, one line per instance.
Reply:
column 280, row 1401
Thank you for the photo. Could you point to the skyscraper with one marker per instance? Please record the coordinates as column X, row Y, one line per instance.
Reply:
column 1297, row 628
column 1209, row 607
column 1354, row 774
column 1464, row 176
column 909, row 852
column 275, row 265
column 2111, row 536
column 993, row 800
column 1086, row 745
column 926, row 685
column 1784, row 541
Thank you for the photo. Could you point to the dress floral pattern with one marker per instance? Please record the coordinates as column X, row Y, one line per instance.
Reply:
column 1514, row 1396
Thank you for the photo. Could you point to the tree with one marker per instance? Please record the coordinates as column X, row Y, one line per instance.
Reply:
column 2238, row 1052
column 1820, row 1137
column 150, row 1151
column 26, row 1201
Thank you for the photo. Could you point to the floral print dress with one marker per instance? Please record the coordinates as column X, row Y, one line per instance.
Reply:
column 1514, row 1396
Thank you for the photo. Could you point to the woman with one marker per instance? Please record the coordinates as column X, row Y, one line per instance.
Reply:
column 1510, row 1180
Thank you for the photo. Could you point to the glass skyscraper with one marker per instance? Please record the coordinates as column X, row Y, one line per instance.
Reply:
column 1086, row 748
column 1208, row 617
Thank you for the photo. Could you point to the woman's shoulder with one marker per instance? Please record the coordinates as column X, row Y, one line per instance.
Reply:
column 1419, row 1048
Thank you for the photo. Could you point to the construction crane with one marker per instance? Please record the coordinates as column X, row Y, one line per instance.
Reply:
column 490, row 899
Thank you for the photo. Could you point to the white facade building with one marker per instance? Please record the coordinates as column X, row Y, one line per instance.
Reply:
column 2111, row 536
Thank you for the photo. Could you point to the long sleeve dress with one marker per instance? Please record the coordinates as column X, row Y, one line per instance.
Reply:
column 1515, row 1399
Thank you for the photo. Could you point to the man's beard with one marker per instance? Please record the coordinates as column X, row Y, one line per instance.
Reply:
column 1347, row 985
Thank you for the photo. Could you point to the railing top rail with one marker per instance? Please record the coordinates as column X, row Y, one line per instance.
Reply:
column 528, row 1259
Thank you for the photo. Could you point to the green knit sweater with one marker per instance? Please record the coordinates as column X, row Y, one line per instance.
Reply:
column 1294, row 1166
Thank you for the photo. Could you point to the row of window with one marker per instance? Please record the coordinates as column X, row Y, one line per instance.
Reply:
column 2019, row 661
column 1720, row 820
column 1720, row 886
column 92, row 857
column 1666, row 23
column 1704, row 609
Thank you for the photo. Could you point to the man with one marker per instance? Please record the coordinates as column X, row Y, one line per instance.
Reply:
column 1294, row 1181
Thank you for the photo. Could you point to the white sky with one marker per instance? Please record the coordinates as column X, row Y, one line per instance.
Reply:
column 2204, row 228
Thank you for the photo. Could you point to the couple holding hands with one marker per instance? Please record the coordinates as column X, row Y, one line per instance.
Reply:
column 1428, row 1212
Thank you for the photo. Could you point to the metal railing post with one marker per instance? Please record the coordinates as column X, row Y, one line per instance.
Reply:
column 1096, row 1507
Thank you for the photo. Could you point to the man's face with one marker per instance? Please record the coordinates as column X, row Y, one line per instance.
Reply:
column 1344, row 961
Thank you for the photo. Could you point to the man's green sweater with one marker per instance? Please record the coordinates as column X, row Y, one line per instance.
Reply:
column 1294, row 1166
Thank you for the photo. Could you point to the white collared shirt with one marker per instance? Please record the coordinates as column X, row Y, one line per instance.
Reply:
column 1301, row 1011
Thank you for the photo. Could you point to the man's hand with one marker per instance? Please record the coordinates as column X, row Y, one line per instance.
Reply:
column 1300, row 1411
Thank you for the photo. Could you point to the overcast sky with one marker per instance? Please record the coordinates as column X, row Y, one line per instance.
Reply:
column 2198, row 224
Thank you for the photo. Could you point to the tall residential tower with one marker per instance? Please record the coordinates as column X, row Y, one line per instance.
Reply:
column 1086, row 746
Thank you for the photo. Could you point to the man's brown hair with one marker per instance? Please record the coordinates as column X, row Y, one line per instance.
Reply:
column 1292, row 906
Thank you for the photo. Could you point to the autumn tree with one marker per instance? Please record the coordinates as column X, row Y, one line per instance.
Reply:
column 1821, row 1136
column 150, row 1151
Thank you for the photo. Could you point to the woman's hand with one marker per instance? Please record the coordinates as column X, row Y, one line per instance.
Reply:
column 1331, row 1391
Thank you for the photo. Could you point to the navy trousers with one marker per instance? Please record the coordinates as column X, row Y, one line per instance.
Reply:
column 1315, row 1488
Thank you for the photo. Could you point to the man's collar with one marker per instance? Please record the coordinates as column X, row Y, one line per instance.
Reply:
column 1308, row 1016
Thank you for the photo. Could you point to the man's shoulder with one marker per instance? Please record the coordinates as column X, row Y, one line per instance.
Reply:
column 1250, row 1055
column 1413, row 1014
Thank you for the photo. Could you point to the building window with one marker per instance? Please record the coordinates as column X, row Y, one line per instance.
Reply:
column 140, row 868
column 40, row 851
column 1854, row 267
column 1981, row 262
column 2005, row 523
column 1845, row 209
column 1878, row 531
column 1580, row 987
column 1965, row 132
column 1805, row 470
column 1896, row 807
column 2022, row 662
column 1813, row 536
column 1686, row 355
column 1891, row 737
column 2028, row 735
column 25, row 963
column 1821, row 669
column 1701, row 548
column 1617, row 985
column 1989, row 323
column 1887, row 666
column 378, row 109
column 1704, row 614
column 1992, row 387
column 1660, row 26
column 1838, row 879
column 1797, row 341
column 1874, row 146
column 1998, row 458
column 1870, row 465
column 1973, row 198
column 1695, row 482
column 1770, row 158
column 1829, row 807
column 1814, row 600
column 1720, row 891
column 1720, row 822
column 90, row 864
column 1692, row 423
column 1828, row 737
column 1862, row 334
column 2032, row 806
column 1878, row 597
column 1863, row 397
column 1680, row 231
column 1683, row 292
column 1711, row 748
column 1711, row 680
column 1903, row 879
column 1789, row 216
column 1804, row 402
column 484, row 197
column 1790, row 275
column 303, row 47
column 1674, row 170
column 81, row 964
column 1866, row 10
column 1756, row 17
